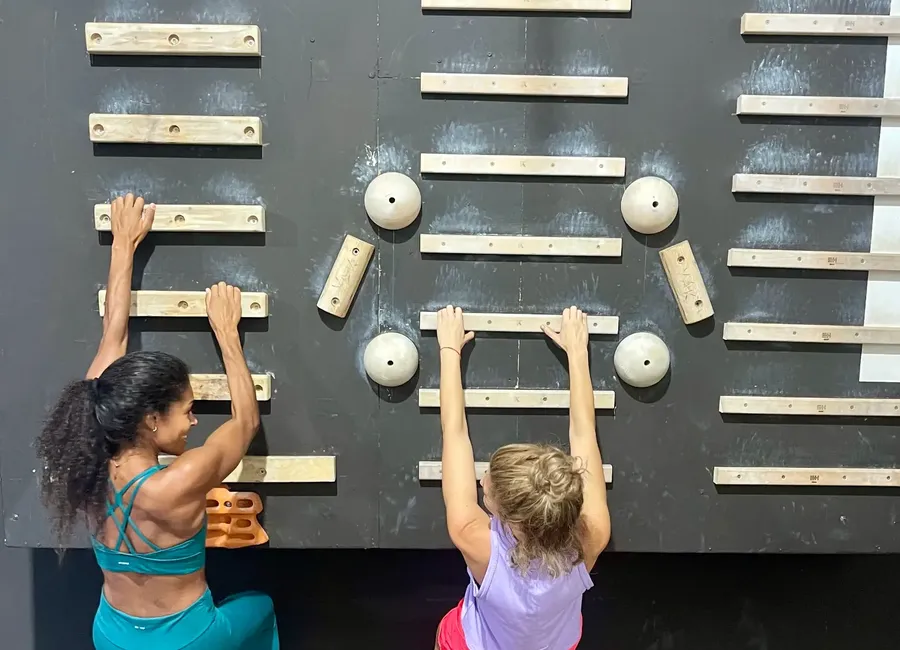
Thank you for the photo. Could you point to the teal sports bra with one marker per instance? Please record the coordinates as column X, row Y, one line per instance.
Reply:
column 187, row 557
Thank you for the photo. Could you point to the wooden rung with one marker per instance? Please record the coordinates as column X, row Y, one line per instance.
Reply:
column 559, row 6
column 523, row 85
column 515, row 398
column 504, row 165
column 820, row 24
column 825, row 406
column 184, row 40
column 687, row 283
column 279, row 469
column 196, row 218
column 432, row 470
column 519, row 323
column 175, row 129
column 818, row 260
column 800, row 476
column 806, row 106
column 832, row 185
column 796, row 333
column 254, row 304
column 519, row 245
column 214, row 387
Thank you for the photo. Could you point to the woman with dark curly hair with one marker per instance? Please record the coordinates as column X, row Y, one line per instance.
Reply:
column 100, row 450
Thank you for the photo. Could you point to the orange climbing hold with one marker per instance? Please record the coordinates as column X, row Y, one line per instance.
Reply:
column 232, row 519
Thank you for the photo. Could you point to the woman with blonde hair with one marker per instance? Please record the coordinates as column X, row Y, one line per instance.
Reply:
column 529, row 559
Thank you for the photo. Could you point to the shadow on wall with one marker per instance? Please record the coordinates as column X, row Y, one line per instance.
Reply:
column 392, row 600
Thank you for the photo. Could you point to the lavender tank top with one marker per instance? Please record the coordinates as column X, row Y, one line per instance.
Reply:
column 514, row 612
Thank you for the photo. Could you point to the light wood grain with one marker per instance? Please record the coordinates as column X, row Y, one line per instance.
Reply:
column 806, row 333
column 196, row 218
column 687, row 284
column 816, row 260
column 171, row 39
column 520, row 323
column 254, row 304
column 561, row 6
column 214, row 387
column 175, row 129
column 808, row 406
column 801, row 476
column 824, row 185
column 346, row 275
column 820, row 24
column 807, row 106
column 516, row 398
column 279, row 469
column 519, row 245
column 523, row 85
column 432, row 470
column 507, row 165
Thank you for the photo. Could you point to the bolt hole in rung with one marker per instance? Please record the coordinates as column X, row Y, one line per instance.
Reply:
column 255, row 306
column 97, row 38
column 98, row 129
column 104, row 218
column 174, row 39
column 179, row 218
column 253, row 219
column 174, row 129
column 680, row 259
column 335, row 301
column 182, row 304
column 258, row 388
column 227, row 504
column 698, row 303
column 249, row 131
column 249, row 41
column 355, row 251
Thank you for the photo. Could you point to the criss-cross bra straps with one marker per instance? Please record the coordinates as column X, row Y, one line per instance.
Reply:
column 125, row 508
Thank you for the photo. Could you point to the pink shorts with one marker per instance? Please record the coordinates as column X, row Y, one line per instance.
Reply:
column 450, row 633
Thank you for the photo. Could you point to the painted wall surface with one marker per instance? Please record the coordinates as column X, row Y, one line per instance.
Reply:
column 339, row 95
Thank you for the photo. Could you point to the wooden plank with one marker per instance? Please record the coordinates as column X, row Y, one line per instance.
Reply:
column 686, row 282
column 175, row 129
column 521, row 245
column 346, row 275
column 519, row 323
column 806, row 106
column 523, row 85
column 279, row 469
column 830, row 185
column 797, row 333
column 214, row 387
column 171, row 39
column 254, row 304
column 802, row 476
column 558, row 6
column 817, row 260
column 506, row 165
column 196, row 218
column 819, row 24
column 515, row 398
column 432, row 470
column 824, row 406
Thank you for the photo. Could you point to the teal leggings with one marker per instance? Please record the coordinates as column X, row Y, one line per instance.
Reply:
column 241, row 622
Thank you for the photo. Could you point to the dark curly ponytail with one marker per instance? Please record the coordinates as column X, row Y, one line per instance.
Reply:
column 95, row 420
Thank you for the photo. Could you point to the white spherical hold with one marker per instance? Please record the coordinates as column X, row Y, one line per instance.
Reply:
column 641, row 359
column 393, row 200
column 649, row 205
column 391, row 359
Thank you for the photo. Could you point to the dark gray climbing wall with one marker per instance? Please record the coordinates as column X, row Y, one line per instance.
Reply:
column 339, row 94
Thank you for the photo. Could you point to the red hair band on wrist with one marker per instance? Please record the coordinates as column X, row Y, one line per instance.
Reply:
column 447, row 347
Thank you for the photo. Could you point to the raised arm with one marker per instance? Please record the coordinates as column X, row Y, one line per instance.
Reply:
column 573, row 338
column 199, row 470
column 130, row 222
column 467, row 523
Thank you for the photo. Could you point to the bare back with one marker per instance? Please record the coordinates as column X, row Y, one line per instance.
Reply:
column 151, row 595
